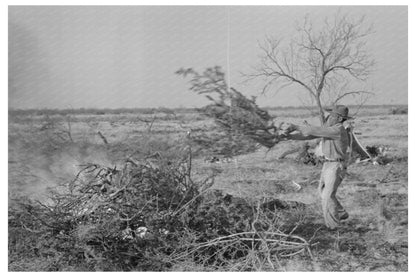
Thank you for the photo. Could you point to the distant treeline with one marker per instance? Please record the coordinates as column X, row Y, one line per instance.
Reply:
column 95, row 111
column 351, row 107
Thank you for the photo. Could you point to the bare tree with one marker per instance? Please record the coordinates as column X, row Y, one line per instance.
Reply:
column 323, row 61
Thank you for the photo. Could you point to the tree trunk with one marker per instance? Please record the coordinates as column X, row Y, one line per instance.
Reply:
column 321, row 110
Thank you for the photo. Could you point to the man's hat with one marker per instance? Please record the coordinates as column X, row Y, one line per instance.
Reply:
column 340, row 110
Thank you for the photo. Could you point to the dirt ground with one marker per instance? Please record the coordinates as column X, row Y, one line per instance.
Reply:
column 374, row 238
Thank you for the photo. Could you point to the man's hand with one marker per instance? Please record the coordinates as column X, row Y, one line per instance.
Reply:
column 289, row 127
column 286, row 129
column 289, row 131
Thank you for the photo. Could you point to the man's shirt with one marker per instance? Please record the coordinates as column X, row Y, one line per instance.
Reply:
column 335, row 140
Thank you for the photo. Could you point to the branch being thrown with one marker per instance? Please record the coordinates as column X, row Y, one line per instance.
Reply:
column 232, row 111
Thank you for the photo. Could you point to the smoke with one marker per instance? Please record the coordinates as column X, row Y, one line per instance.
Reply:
column 33, row 170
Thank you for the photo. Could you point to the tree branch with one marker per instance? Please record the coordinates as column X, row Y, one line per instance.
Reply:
column 318, row 59
column 358, row 92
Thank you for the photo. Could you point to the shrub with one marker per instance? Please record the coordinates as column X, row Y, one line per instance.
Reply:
column 398, row 110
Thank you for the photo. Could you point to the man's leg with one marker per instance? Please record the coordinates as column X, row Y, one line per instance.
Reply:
column 343, row 215
column 332, row 174
column 321, row 182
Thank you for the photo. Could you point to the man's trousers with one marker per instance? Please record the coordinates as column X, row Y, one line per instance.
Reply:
column 331, row 177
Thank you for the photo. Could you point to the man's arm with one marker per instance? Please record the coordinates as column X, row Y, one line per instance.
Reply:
column 298, row 135
column 313, row 132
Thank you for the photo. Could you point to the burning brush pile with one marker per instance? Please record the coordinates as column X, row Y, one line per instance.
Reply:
column 235, row 115
column 147, row 215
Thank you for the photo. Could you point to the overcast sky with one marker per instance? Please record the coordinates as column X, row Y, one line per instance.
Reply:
column 112, row 57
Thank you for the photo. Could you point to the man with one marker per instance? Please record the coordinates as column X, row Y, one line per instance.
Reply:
column 333, row 146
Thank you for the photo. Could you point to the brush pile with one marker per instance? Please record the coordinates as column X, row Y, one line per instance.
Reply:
column 233, row 113
column 148, row 215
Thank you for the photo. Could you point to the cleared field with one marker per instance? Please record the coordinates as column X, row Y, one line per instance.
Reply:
column 48, row 150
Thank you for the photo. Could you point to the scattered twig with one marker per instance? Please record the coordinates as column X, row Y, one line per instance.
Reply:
column 102, row 137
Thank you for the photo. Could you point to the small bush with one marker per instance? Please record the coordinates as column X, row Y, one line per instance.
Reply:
column 398, row 110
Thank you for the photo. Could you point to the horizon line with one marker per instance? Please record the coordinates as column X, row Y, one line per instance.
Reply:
column 187, row 108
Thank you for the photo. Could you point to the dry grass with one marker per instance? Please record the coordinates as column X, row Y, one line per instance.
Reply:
column 373, row 239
